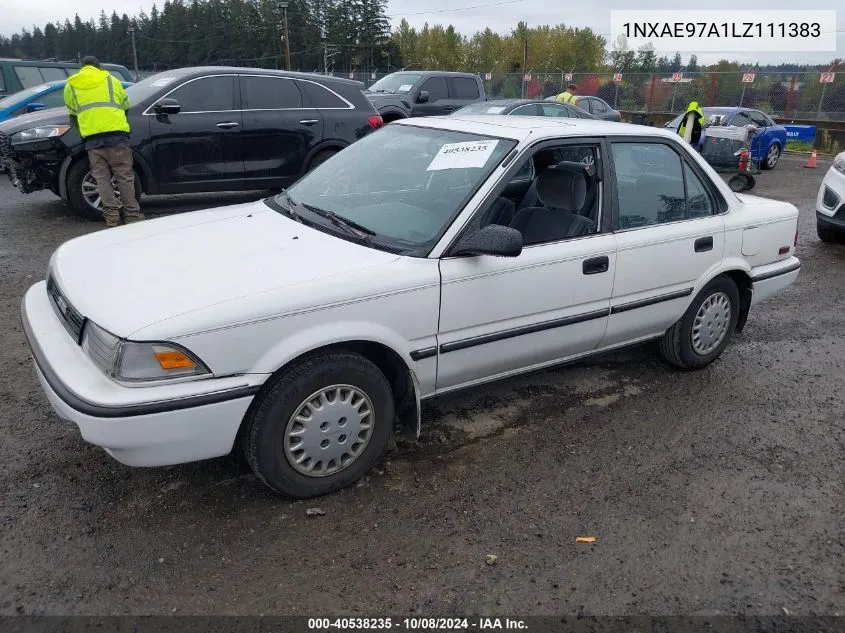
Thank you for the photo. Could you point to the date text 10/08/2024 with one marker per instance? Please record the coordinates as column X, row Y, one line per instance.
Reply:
column 415, row 624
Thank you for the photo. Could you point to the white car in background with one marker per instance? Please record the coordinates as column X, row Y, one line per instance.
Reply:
column 430, row 256
column 830, row 203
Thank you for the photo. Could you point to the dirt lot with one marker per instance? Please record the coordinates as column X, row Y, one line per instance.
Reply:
column 712, row 492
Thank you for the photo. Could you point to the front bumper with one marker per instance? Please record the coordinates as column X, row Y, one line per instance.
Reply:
column 138, row 426
column 830, row 200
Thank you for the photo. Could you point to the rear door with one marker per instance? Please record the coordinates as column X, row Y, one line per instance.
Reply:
column 280, row 125
column 198, row 149
column 438, row 98
column 463, row 91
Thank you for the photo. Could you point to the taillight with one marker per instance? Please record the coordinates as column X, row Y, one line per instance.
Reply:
column 375, row 121
column 796, row 239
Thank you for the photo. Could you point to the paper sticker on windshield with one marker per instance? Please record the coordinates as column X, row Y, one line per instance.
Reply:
column 405, row 87
column 495, row 110
column 162, row 81
column 461, row 155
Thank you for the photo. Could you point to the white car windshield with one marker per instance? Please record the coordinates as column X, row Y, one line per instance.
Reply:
column 400, row 187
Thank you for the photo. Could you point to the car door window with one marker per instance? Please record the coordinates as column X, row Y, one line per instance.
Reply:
column 207, row 94
column 318, row 96
column 741, row 119
column 54, row 99
column 526, row 110
column 465, row 88
column 650, row 184
column 269, row 93
column 437, row 89
column 699, row 202
column 29, row 76
column 759, row 119
column 53, row 74
column 597, row 106
column 551, row 109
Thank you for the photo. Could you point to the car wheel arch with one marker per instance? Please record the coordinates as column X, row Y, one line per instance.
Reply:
column 395, row 366
column 139, row 165
column 741, row 277
column 330, row 145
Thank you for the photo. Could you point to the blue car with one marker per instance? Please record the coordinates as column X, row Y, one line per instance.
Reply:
column 41, row 97
column 769, row 141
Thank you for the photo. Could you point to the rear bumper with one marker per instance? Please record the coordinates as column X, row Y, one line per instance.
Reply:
column 767, row 281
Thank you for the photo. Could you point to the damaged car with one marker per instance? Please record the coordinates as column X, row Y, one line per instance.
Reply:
column 198, row 130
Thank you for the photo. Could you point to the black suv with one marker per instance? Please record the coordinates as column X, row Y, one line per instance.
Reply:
column 199, row 130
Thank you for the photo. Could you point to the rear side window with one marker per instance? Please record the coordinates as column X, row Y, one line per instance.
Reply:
column 269, row 93
column 2, row 81
column 208, row 94
column 321, row 97
column 29, row 76
column 437, row 88
column 53, row 74
column 465, row 88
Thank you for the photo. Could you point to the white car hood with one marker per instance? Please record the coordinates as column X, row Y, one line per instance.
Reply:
column 129, row 277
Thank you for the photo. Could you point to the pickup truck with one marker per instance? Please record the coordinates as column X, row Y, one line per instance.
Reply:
column 405, row 94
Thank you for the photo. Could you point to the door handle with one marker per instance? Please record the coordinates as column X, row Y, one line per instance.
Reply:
column 309, row 121
column 227, row 124
column 704, row 244
column 449, row 108
column 596, row 265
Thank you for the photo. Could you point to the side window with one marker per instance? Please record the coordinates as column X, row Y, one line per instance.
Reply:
column 526, row 110
column 53, row 74
column 29, row 76
column 597, row 106
column 759, row 119
column 319, row 96
column 550, row 109
column 465, row 88
column 650, row 184
column 208, row 94
column 437, row 88
column 2, row 81
column 699, row 204
column 740, row 119
column 269, row 93
column 55, row 99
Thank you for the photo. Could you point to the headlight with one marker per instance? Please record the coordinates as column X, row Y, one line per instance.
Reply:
column 839, row 163
column 131, row 361
column 38, row 133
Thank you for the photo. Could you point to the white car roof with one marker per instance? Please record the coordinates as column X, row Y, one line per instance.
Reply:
column 520, row 128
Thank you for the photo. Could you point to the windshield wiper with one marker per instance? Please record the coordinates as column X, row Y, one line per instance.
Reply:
column 291, row 205
column 351, row 227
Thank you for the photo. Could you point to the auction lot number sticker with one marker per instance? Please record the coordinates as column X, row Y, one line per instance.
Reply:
column 416, row 624
column 462, row 155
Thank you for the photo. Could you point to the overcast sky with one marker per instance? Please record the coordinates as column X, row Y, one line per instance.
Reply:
column 17, row 14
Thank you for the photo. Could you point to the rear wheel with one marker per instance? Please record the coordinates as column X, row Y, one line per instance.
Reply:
column 82, row 190
column 772, row 157
column 702, row 334
column 321, row 158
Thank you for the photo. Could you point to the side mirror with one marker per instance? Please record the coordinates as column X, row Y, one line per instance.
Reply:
column 493, row 239
column 423, row 96
column 34, row 107
column 167, row 106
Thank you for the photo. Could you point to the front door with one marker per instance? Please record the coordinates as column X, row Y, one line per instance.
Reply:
column 280, row 126
column 438, row 102
column 501, row 316
column 670, row 234
column 198, row 149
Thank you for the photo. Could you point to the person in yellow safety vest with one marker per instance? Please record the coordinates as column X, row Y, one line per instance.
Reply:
column 568, row 96
column 97, row 106
column 692, row 123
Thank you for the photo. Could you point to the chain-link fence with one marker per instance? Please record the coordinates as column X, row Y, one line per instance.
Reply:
column 794, row 96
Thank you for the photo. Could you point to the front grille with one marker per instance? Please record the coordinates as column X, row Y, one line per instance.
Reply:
column 829, row 199
column 68, row 315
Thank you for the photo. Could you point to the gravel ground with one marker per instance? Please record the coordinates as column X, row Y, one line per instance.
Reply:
column 719, row 491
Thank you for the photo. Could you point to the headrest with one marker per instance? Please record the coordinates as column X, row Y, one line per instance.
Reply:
column 562, row 189
column 588, row 170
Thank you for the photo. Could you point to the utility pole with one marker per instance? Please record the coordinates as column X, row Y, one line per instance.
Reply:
column 284, row 6
column 134, row 52
column 524, row 62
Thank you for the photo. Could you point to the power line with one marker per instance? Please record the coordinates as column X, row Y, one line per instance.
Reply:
column 477, row 6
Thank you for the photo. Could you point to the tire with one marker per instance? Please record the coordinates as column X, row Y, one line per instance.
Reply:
column 321, row 158
column 677, row 346
column 76, row 176
column 772, row 157
column 265, row 440
column 827, row 234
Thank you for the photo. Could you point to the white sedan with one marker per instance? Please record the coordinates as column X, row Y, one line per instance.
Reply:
column 830, row 203
column 433, row 255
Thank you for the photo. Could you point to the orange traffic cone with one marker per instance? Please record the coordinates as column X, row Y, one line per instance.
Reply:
column 812, row 161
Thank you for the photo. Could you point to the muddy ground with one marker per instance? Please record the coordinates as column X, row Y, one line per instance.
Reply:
column 719, row 491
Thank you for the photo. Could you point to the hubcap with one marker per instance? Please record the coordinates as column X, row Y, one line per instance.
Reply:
column 329, row 430
column 773, row 155
column 711, row 323
column 91, row 193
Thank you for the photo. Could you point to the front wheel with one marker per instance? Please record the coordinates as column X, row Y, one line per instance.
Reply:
column 83, row 194
column 772, row 157
column 320, row 425
column 702, row 334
